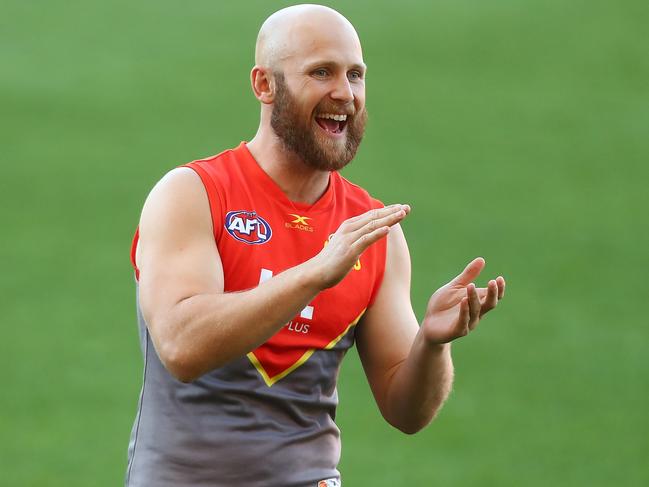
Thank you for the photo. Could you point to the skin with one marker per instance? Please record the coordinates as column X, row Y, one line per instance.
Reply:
column 197, row 327
column 320, row 55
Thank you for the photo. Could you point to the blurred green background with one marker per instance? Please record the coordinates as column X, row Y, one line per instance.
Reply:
column 518, row 131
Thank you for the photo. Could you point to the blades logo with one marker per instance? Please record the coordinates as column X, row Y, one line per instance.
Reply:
column 247, row 227
column 299, row 223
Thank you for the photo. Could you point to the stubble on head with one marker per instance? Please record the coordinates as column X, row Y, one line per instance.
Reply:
column 298, row 133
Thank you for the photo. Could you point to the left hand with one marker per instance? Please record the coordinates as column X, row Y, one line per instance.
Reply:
column 456, row 308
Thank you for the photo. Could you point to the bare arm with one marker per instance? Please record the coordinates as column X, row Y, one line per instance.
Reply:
column 409, row 368
column 195, row 326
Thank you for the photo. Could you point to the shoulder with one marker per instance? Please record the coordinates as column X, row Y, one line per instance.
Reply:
column 188, row 183
column 220, row 163
column 178, row 201
column 222, row 158
column 176, row 186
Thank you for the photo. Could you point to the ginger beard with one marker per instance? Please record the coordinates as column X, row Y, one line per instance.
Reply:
column 298, row 136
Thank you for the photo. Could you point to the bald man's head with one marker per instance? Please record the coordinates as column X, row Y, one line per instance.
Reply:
column 310, row 80
column 294, row 31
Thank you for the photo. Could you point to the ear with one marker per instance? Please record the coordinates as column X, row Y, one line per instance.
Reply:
column 263, row 85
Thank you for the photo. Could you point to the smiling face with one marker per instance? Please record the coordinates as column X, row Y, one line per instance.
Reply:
column 326, row 138
column 318, row 111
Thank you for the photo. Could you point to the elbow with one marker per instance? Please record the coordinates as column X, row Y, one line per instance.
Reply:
column 412, row 424
column 184, row 376
column 177, row 362
column 173, row 350
column 411, row 428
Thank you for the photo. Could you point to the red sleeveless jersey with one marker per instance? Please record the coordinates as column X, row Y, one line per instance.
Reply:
column 259, row 232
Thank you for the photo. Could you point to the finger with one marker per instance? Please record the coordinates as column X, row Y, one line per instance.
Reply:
column 491, row 299
column 370, row 214
column 500, row 280
column 462, row 325
column 386, row 221
column 474, row 306
column 500, row 289
column 470, row 272
column 359, row 221
column 359, row 246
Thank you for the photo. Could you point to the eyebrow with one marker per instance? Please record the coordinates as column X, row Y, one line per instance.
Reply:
column 332, row 64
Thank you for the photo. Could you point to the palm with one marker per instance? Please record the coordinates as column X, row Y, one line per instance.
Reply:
column 445, row 303
column 456, row 308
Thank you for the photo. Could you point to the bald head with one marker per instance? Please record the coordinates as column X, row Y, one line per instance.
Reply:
column 295, row 31
column 309, row 66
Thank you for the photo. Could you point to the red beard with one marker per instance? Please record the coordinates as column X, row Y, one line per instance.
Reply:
column 317, row 152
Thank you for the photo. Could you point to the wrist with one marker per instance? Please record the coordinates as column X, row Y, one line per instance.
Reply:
column 438, row 348
column 433, row 340
column 311, row 276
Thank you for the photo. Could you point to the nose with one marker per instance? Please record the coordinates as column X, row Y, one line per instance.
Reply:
column 343, row 90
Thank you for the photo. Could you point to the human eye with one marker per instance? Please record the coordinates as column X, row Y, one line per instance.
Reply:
column 355, row 75
column 320, row 73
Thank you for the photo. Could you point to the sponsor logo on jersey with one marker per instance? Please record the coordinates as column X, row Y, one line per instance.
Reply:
column 299, row 223
column 329, row 483
column 295, row 325
column 300, row 219
column 248, row 227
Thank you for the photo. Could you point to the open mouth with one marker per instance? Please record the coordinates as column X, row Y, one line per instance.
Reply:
column 331, row 122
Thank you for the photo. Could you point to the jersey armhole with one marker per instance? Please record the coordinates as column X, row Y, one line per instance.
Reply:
column 213, row 197
column 136, row 238
column 215, row 211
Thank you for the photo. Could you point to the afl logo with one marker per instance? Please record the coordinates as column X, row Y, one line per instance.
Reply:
column 247, row 227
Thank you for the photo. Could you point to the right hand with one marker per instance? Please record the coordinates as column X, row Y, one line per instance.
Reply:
column 351, row 239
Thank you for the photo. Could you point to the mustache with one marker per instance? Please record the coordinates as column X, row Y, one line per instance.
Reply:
column 348, row 109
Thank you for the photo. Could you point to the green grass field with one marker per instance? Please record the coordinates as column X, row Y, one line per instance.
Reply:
column 518, row 131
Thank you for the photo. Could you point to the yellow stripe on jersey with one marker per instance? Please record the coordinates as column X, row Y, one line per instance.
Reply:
column 272, row 380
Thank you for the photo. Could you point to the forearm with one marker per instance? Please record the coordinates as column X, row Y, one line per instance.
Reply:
column 205, row 331
column 194, row 325
column 419, row 386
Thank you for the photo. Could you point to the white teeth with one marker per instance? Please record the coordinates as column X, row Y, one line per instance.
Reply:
column 333, row 116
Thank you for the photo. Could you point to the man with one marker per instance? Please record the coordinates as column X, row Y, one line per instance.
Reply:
column 259, row 267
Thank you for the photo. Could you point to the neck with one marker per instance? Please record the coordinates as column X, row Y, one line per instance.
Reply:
column 297, row 180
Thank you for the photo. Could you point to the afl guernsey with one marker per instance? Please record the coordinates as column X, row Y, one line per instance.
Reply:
column 267, row 418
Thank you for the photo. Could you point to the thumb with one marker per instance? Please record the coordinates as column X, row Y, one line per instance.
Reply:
column 470, row 272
